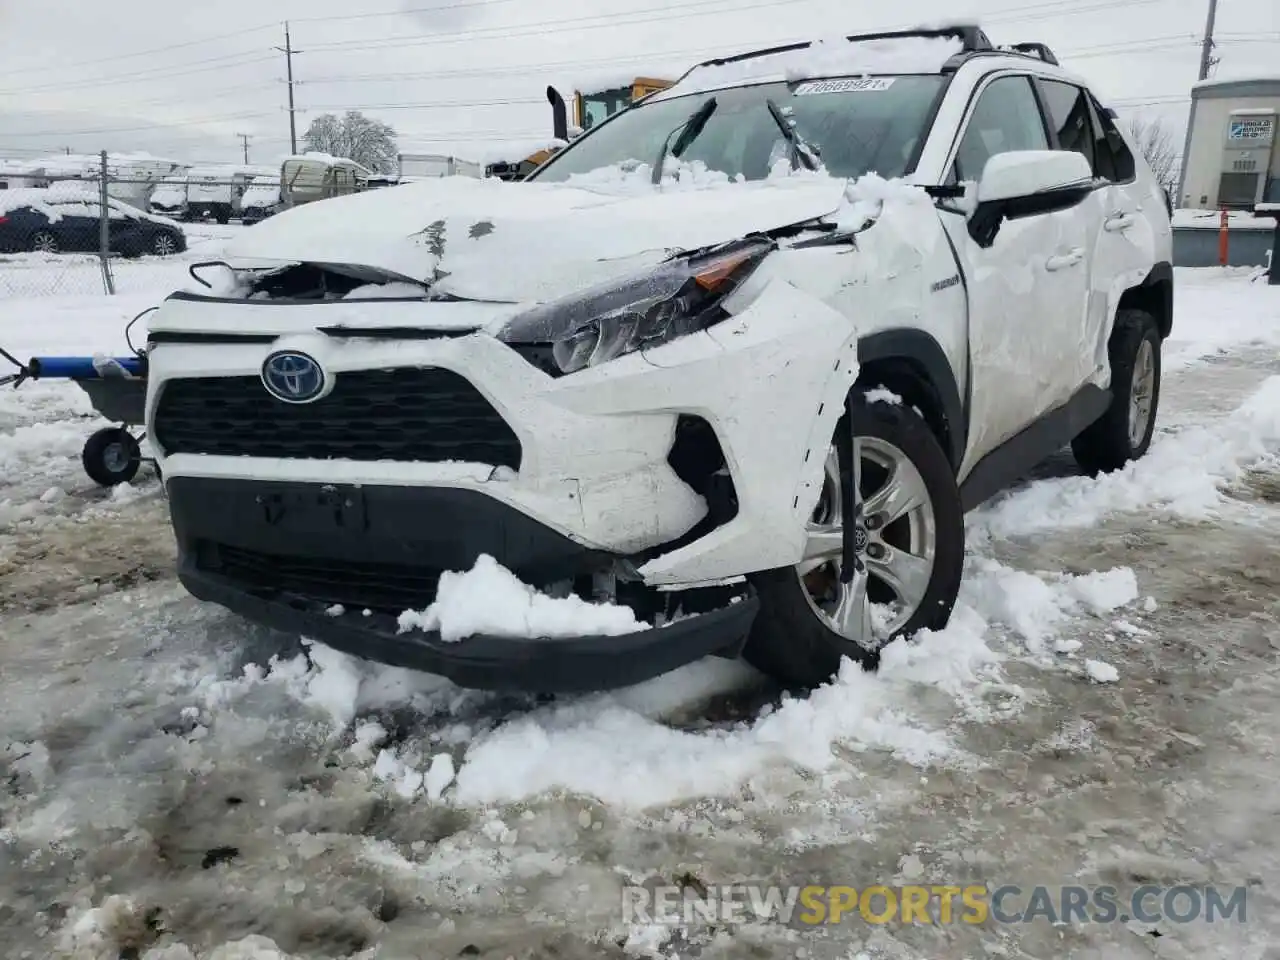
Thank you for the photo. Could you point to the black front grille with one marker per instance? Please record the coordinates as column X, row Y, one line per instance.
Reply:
column 381, row 587
column 408, row 414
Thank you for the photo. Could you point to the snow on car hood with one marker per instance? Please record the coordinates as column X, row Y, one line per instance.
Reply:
column 527, row 242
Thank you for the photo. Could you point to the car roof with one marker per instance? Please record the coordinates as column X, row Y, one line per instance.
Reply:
column 933, row 50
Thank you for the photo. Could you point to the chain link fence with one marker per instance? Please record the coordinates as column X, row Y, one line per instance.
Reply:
column 106, row 233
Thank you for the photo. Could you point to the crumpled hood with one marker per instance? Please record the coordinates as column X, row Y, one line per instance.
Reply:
column 526, row 242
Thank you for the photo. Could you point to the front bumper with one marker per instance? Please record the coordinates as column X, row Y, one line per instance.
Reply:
column 337, row 564
column 595, row 447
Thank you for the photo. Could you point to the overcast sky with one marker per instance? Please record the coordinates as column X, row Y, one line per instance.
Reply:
column 180, row 80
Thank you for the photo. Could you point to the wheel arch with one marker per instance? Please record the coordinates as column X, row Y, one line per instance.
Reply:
column 912, row 364
column 1154, row 295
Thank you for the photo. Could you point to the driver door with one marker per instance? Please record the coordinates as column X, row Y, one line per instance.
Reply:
column 1028, row 290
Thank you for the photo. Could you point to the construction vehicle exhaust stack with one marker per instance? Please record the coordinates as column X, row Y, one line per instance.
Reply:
column 589, row 109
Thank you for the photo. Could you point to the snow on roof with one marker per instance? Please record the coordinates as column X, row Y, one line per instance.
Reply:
column 1242, row 78
column 1253, row 112
column 26, row 197
column 831, row 57
column 614, row 78
column 1187, row 218
column 43, row 200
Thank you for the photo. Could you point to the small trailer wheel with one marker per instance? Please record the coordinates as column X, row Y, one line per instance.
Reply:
column 111, row 456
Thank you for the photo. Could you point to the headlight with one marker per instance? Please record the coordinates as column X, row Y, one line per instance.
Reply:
column 679, row 297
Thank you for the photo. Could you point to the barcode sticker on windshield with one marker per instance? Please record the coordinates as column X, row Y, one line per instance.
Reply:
column 847, row 85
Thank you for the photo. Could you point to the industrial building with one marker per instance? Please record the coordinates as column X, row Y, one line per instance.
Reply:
column 1231, row 159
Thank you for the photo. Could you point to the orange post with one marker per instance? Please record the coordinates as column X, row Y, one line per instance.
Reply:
column 1223, row 240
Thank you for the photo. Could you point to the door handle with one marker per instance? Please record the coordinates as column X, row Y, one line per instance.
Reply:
column 1065, row 260
column 1119, row 221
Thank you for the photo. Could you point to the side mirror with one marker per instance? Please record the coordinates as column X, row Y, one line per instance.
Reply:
column 1024, row 173
column 1027, row 183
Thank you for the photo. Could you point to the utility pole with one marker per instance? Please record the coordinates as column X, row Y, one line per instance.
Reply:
column 288, row 52
column 244, row 139
column 1207, row 60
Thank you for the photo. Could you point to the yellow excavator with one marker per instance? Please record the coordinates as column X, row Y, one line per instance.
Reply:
column 589, row 109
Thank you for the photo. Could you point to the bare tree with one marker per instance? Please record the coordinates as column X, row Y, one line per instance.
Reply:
column 368, row 142
column 1157, row 144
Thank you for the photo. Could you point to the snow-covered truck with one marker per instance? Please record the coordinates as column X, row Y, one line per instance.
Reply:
column 131, row 177
column 169, row 198
column 214, row 192
column 313, row 176
column 418, row 166
column 261, row 199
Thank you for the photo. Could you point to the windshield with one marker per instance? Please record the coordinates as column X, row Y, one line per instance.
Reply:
column 872, row 124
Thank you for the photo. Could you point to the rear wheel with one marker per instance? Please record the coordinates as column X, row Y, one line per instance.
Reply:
column 1124, row 432
column 897, row 572
column 44, row 242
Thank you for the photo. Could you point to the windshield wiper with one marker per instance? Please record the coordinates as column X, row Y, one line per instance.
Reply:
column 689, row 131
column 802, row 152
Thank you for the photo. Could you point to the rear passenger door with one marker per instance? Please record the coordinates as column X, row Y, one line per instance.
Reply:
column 1027, row 291
column 1118, row 242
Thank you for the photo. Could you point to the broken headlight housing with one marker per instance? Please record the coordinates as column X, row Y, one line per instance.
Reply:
column 679, row 297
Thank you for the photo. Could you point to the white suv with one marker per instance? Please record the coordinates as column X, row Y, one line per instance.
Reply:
column 749, row 396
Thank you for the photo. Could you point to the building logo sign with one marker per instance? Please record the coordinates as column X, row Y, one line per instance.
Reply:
column 1250, row 128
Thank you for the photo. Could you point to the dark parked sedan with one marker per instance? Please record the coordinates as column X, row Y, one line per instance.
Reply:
column 46, row 221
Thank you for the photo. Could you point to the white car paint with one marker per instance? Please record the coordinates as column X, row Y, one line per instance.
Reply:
column 1026, row 329
column 548, row 238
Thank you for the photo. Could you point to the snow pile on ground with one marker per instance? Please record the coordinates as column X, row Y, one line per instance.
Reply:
column 1216, row 310
column 490, row 599
column 1181, row 475
column 573, row 745
column 1037, row 606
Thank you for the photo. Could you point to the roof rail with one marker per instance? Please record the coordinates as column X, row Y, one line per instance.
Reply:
column 1038, row 50
column 971, row 37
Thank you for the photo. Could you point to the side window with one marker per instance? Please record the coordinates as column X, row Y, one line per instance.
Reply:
column 1006, row 118
column 1068, row 109
column 1115, row 160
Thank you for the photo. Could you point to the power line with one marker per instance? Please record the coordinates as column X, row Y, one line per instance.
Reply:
column 154, row 50
column 1052, row 8
column 158, row 74
column 151, row 126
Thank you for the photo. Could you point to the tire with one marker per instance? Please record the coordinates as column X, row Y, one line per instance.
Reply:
column 43, row 241
column 792, row 639
column 111, row 456
column 1124, row 432
column 163, row 245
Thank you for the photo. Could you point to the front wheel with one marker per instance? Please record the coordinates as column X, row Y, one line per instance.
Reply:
column 896, row 573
